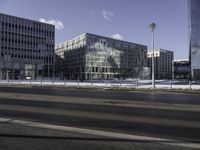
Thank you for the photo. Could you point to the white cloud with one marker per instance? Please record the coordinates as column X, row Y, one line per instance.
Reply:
column 107, row 14
column 117, row 36
column 57, row 23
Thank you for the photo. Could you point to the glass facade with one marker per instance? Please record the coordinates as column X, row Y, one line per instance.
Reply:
column 163, row 63
column 194, row 35
column 90, row 56
column 181, row 69
column 26, row 48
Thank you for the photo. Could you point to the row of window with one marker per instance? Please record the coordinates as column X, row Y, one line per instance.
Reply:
column 97, row 70
column 109, row 70
column 95, row 53
column 26, row 56
column 114, row 43
column 19, row 35
column 26, row 42
column 26, row 50
column 26, row 29
column 75, row 43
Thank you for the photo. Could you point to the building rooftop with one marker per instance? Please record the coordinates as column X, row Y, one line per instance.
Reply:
column 179, row 60
column 160, row 49
column 86, row 33
column 27, row 19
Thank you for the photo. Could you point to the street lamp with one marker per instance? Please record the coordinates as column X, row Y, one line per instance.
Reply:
column 152, row 28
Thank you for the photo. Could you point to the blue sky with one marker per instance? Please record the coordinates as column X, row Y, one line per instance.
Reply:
column 125, row 19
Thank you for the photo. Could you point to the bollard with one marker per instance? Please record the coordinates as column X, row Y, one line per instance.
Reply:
column 137, row 82
column 170, row 84
column 53, row 82
column 190, row 84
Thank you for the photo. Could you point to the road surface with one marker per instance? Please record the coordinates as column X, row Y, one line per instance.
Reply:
column 171, row 116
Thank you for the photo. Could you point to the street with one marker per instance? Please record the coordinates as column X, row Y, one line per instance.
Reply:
column 173, row 116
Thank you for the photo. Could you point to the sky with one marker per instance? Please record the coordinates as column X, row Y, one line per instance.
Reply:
column 122, row 19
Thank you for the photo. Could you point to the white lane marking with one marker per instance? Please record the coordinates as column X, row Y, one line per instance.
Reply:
column 100, row 133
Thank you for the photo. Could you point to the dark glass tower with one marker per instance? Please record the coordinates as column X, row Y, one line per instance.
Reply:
column 194, row 36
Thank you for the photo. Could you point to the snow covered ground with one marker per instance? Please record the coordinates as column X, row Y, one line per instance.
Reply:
column 141, row 84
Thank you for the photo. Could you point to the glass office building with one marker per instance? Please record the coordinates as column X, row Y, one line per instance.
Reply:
column 26, row 48
column 181, row 69
column 90, row 56
column 194, row 36
column 163, row 63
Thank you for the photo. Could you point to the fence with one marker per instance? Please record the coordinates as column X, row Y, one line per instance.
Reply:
column 134, row 83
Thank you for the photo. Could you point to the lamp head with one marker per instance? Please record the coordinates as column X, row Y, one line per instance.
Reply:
column 152, row 26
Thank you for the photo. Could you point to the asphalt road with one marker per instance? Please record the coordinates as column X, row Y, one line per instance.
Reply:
column 173, row 116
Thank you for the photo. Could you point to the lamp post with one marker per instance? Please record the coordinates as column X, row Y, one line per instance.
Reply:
column 152, row 28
